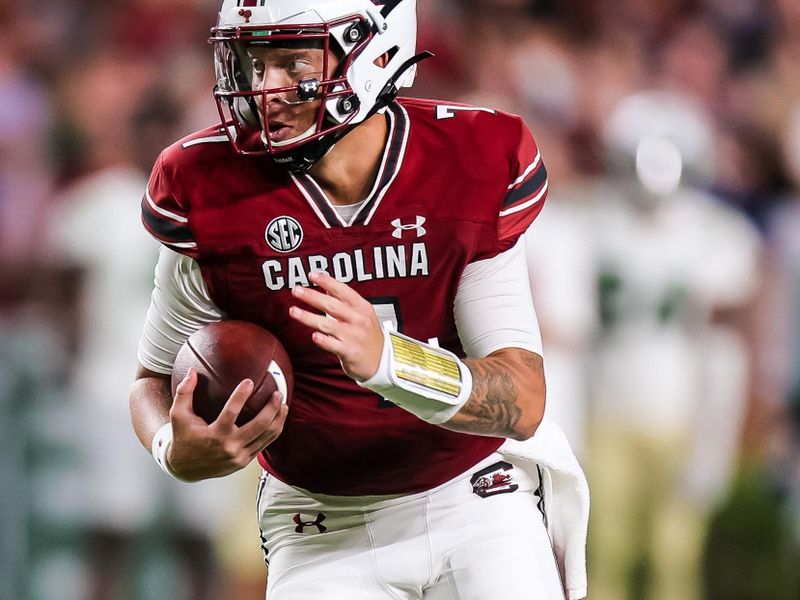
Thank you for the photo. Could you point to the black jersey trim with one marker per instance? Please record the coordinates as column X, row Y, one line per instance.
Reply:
column 390, row 166
column 528, row 188
column 319, row 201
column 163, row 229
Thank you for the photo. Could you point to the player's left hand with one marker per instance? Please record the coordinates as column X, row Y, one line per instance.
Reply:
column 349, row 328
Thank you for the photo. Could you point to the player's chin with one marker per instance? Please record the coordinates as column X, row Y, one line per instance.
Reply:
column 290, row 125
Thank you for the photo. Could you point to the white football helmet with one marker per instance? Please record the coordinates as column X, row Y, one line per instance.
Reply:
column 359, row 32
column 662, row 136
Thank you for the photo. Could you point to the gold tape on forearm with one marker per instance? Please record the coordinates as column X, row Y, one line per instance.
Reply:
column 424, row 365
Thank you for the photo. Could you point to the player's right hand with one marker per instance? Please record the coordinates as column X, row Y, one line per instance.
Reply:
column 202, row 451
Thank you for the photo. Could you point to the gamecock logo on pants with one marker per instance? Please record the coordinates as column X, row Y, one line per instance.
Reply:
column 494, row 479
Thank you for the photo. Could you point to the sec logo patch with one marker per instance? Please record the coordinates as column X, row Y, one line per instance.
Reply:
column 284, row 234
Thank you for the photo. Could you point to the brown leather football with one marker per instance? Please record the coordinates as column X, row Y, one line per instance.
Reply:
column 224, row 354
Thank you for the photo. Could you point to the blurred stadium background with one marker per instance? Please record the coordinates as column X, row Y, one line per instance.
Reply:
column 665, row 269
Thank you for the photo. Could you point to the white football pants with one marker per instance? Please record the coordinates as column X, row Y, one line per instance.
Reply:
column 480, row 536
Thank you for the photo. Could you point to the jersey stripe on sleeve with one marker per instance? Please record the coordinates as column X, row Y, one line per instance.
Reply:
column 530, row 191
column 167, row 230
column 525, row 196
column 164, row 218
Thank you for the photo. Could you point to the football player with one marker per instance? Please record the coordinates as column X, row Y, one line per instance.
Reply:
column 377, row 238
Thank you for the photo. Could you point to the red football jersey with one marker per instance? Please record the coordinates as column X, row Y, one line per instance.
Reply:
column 456, row 184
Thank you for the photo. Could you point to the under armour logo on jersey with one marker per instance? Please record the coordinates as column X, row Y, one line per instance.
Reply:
column 494, row 479
column 399, row 227
column 301, row 524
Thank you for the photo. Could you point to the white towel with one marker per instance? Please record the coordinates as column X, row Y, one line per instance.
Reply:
column 566, row 499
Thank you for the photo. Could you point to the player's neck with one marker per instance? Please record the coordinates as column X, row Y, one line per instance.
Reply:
column 347, row 173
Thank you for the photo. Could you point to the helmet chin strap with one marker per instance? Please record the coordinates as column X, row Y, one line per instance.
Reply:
column 303, row 158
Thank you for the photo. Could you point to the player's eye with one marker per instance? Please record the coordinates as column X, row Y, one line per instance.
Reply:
column 299, row 65
column 258, row 66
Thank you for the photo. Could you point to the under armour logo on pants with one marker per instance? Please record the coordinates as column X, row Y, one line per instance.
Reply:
column 301, row 525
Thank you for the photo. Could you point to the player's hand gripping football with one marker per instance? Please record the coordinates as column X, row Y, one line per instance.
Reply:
column 201, row 451
column 349, row 328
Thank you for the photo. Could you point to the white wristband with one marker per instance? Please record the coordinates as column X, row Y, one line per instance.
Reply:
column 162, row 440
column 424, row 379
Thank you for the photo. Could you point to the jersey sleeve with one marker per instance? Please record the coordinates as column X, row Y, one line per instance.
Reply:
column 493, row 306
column 164, row 216
column 179, row 306
column 526, row 192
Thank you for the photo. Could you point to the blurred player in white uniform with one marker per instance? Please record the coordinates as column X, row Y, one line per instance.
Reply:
column 123, row 498
column 669, row 376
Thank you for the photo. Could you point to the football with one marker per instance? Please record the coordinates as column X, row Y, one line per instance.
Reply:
column 224, row 354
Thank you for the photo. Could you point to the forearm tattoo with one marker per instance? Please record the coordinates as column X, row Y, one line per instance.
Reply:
column 493, row 407
column 532, row 362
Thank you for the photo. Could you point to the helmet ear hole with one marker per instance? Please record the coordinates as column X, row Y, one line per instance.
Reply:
column 386, row 58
